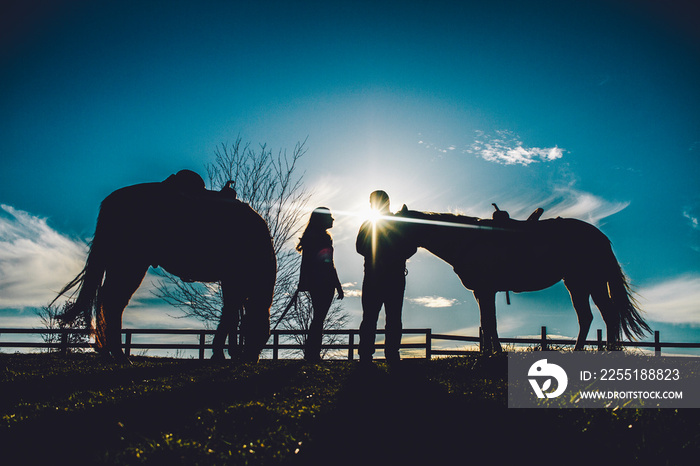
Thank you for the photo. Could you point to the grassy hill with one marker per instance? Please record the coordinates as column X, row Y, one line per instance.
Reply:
column 78, row 410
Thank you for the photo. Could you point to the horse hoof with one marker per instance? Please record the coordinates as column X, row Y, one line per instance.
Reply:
column 235, row 354
column 245, row 358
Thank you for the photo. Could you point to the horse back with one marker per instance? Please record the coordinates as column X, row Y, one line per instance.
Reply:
column 194, row 234
column 527, row 256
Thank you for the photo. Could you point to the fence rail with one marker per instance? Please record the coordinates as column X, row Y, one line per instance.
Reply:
column 64, row 342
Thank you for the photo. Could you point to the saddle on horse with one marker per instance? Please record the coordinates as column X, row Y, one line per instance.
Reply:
column 503, row 216
column 189, row 184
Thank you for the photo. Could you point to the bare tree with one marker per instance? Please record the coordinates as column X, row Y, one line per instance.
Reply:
column 49, row 317
column 272, row 186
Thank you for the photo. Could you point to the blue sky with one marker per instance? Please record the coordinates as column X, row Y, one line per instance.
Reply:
column 588, row 109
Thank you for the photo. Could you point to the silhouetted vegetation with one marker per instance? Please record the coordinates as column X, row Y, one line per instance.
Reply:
column 166, row 411
column 272, row 185
column 49, row 316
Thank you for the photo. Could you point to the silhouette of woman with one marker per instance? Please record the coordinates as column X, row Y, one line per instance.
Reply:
column 318, row 276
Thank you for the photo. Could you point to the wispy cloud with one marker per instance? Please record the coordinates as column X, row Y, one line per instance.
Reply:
column 507, row 148
column 159, row 315
column 351, row 290
column 692, row 217
column 674, row 301
column 570, row 202
column 434, row 301
column 562, row 201
column 35, row 260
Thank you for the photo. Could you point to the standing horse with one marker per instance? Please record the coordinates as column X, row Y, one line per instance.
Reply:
column 193, row 233
column 510, row 255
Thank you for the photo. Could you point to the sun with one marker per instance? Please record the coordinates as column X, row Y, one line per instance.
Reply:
column 372, row 215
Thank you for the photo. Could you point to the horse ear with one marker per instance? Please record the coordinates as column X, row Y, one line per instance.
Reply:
column 404, row 209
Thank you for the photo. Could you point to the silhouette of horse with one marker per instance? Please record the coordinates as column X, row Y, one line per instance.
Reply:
column 510, row 255
column 193, row 233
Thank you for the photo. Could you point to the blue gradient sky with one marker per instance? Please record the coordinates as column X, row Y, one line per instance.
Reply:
column 588, row 109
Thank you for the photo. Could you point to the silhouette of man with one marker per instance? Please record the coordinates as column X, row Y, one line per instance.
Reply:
column 385, row 254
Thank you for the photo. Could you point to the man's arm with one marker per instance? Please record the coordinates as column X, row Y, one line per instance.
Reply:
column 363, row 245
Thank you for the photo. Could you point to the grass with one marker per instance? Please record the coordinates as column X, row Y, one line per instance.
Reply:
column 167, row 411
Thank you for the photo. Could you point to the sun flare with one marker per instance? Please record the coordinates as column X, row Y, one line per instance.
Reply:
column 372, row 215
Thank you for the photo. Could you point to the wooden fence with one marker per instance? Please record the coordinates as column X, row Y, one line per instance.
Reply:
column 62, row 341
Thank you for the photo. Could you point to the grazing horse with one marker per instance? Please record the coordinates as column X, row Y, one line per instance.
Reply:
column 193, row 233
column 501, row 254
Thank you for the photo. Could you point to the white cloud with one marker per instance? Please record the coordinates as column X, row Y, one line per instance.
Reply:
column 350, row 290
column 569, row 202
column 692, row 218
column 434, row 301
column 508, row 149
column 35, row 260
column 674, row 301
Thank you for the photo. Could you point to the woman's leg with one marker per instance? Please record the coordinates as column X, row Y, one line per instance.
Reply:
column 321, row 300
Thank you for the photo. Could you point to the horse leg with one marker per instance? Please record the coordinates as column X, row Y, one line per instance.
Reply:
column 255, row 326
column 228, row 322
column 582, row 306
column 235, row 337
column 605, row 304
column 487, row 308
column 120, row 284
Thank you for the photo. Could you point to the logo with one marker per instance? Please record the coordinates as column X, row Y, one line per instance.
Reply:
column 543, row 369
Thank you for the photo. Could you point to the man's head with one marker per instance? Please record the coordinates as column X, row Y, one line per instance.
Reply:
column 379, row 200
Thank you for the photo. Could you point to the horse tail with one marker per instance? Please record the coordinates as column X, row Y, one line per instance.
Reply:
column 631, row 322
column 88, row 282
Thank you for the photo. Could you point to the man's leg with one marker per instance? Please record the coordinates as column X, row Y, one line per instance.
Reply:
column 393, row 307
column 371, row 305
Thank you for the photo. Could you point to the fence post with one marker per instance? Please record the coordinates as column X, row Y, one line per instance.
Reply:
column 543, row 338
column 481, row 340
column 275, row 344
column 202, row 343
column 428, row 344
column 600, row 339
column 64, row 341
column 657, row 345
column 351, row 345
column 127, row 343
